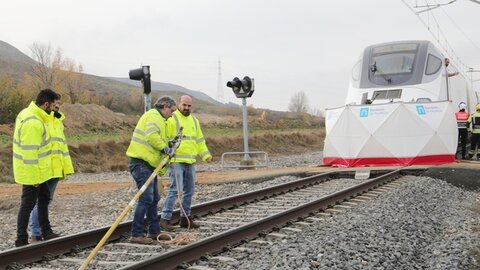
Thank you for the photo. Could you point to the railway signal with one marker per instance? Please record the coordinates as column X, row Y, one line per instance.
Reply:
column 242, row 88
column 143, row 74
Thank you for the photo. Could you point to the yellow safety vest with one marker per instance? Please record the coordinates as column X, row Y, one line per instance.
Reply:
column 61, row 160
column 149, row 138
column 475, row 120
column 193, row 143
column 32, row 163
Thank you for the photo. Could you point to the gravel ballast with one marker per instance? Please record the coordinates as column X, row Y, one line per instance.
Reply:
column 425, row 224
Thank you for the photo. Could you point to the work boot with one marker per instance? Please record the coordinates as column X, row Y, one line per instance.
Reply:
column 163, row 236
column 166, row 225
column 184, row 223
column 21, row 242
column 36, row 239
column 50, row 235
column 141, row 240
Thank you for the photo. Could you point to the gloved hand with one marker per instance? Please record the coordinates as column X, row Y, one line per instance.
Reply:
column 168, row 151
column 172, row 142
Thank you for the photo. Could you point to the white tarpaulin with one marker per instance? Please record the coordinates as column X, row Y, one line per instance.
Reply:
column 390, row 134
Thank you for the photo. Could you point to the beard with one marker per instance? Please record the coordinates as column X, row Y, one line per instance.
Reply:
column 186, row 112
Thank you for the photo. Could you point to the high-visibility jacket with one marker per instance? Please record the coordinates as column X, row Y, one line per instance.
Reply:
column 149, row 138
column 32, row 162
column 462, row 118
column 193, row 143
column 475, row 120
column 61, row 160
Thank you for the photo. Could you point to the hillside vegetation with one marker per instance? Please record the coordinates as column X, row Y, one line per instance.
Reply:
column 101, row 113
column 99, row 137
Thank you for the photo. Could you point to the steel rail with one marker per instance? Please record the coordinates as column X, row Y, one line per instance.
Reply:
column 12, row 258
column 216, row 243
column 46, row 249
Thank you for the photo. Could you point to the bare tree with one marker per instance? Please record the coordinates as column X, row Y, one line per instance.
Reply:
column 43, row 70
column 55, row 71
column 299, row 103
column 73, row 80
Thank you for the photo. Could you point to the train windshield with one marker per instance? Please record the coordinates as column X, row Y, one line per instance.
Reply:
column 392, row 64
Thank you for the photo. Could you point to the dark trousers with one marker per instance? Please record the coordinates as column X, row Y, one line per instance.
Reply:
column 462, row 138
column 32, row 195
column 474, row 141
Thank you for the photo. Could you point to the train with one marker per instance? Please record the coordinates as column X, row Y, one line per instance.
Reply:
column 408, row 71
column 399, row 109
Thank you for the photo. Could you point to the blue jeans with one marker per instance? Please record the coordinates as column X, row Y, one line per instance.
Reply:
column 148, row 202
column 185, row 174
column 34, row 224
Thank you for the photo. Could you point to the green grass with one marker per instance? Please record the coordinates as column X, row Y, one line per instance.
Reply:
column 96, row 136
column 5, row 139
column 208, row 132
column 230, row 132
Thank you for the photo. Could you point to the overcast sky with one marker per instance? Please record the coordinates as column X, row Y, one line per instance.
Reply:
column 286, row 46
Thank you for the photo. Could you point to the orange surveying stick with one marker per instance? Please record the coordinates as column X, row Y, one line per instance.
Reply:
column 132, row 203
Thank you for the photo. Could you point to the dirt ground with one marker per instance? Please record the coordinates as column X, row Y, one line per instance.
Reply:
column 9, row 191
column 462, row 173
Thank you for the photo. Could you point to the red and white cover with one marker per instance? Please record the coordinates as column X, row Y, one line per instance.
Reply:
column 395, row 134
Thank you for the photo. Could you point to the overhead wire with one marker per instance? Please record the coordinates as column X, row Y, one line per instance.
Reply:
column 460, row 29
column 440, row 37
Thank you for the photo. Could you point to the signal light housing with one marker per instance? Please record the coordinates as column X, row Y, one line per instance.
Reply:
column 242, row 88
column 142, row 74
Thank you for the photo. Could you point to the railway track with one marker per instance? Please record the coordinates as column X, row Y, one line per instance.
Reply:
column 226, row 222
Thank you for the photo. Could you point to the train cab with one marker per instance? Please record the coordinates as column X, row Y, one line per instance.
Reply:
column 408, row 71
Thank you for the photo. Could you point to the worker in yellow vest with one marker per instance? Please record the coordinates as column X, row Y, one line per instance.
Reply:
column 182, row 167
column 149, row 145
column 32, row 163
column 61, row 162
column 474, row 119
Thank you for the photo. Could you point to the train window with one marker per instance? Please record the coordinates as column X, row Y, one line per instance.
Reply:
column 392, row 64
column 433, row 64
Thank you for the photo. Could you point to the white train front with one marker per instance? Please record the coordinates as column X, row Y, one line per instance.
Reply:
column 409, row 71
column 399, row 108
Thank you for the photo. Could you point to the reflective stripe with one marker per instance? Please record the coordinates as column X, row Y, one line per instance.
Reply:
column 139, row 132
column 26, row 161
column 26, row 147
column 44, row 135
column 57, row 139
column 177, row 122
column 32, row 117
column 200, row 140
column 152, row 124
column 186, row 138
column 150, row 131
column 140, row 141
column 184, row 156
column 202, row 155
column 44, row 154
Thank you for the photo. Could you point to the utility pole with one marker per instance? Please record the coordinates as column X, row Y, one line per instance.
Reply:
column 219, row 83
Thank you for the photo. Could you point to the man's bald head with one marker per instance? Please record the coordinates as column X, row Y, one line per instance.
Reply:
column 185, row 105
